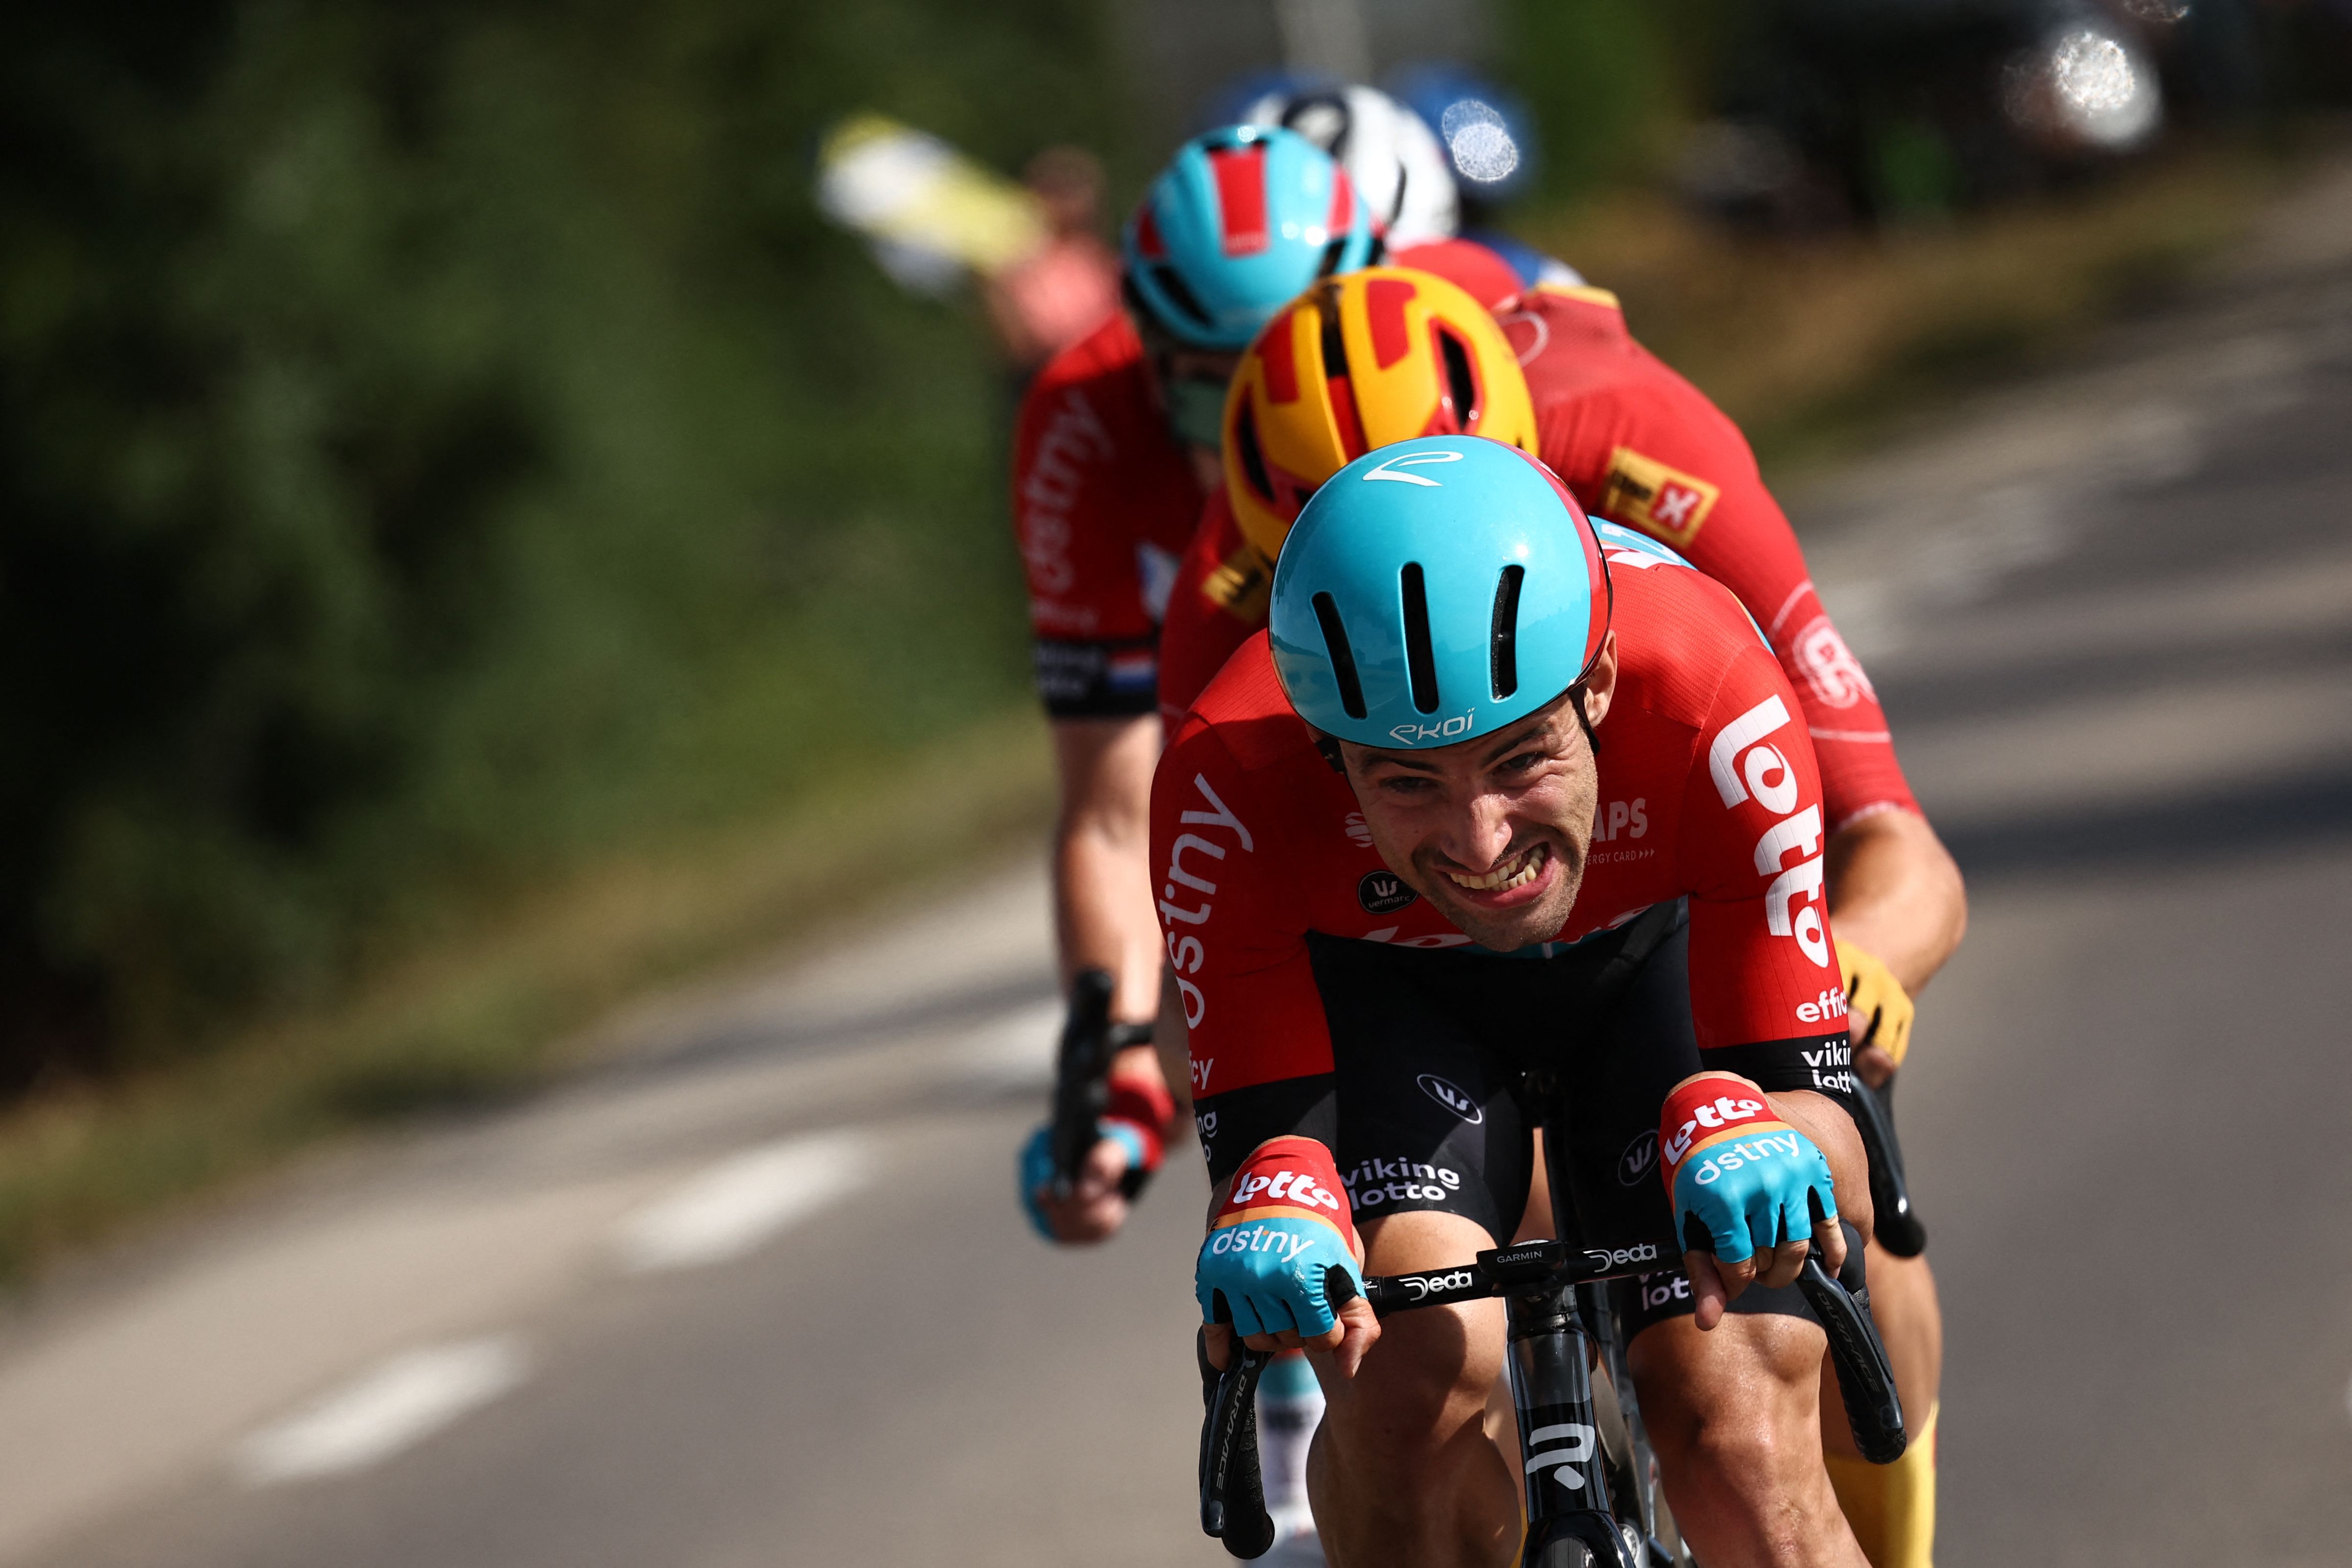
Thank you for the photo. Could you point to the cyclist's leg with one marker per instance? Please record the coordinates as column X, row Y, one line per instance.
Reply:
column 1434, row 1152
column 1404, row 1469
column 1732, row 1415
column 1733, row 1419
column 1893, row 1507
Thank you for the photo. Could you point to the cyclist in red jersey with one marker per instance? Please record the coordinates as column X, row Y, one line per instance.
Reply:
column 1380, row 927
column 1641, row 445
column 1114, row 450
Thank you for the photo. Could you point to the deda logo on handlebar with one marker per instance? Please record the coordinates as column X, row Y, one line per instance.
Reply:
column 1422, row 1284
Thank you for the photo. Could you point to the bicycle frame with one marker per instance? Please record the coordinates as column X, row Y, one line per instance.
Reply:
column 1559, row 1321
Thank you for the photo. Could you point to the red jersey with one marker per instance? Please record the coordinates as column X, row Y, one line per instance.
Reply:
column 1104, row 501
column 1640, row 445
column 1708, row 791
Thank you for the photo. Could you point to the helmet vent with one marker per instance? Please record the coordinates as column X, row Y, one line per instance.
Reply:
column 1179, row 293
column 1419, row 660
column 1504, row 655
column 1253, row 460
column 1459, row 380
column 1343, row 658
column 1335, row 341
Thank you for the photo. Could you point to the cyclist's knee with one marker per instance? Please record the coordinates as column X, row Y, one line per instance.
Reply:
column 1430, row 1380
column 1730, row 1415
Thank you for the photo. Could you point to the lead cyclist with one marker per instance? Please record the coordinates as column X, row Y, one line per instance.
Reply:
column 1556, row 372
column 1385, row 916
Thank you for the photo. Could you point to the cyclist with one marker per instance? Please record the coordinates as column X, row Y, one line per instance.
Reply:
column 1555, row 373
column 1115, row 450
column 1391, row 155
column 1382, row 917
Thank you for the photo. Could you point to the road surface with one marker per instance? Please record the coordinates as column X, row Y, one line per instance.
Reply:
column 756, row 1292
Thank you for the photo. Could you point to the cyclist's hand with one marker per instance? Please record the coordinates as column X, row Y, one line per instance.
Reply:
column 1358, row 1329
column 1877, row 1014
column 1750, row 1193
column 1280, row 1263
column 1097, row 1205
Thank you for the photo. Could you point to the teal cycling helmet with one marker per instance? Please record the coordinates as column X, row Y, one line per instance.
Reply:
column 1237, row 225
column 1434, row 591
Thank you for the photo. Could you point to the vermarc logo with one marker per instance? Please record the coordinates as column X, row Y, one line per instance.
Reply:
column 1452, row 1098
column 1383, row 892
column 1640, row 1156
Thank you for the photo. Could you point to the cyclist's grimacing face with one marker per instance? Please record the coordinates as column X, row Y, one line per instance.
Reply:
column 1493, row 831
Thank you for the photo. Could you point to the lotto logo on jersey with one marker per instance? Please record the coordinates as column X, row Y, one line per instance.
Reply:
column 1287, row 1178
column 1747, row 766
column 1659, row 500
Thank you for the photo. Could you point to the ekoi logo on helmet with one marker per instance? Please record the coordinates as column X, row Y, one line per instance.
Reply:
column 1394, row 468
column 1442, row 731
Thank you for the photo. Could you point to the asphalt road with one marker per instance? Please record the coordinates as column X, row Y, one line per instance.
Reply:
column 757, row 1292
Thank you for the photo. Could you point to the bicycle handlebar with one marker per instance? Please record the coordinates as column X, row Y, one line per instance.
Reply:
column 1233, row 1504
column 1865, row 1381
column 1897, row 1229
column 1089, row 1040
column 1233, row 1492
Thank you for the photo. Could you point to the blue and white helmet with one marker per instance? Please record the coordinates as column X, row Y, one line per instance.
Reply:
column 1394, row 158
column 1434, row 591
column 1236, row 227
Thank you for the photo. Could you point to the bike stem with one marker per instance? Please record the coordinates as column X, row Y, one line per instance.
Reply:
column 1559, row 1441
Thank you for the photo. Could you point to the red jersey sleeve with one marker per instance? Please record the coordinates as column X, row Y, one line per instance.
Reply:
column 1219, row 599
column 1103, row 502
column 1260, row 1046
column 1643, row 447
column 1766, row 996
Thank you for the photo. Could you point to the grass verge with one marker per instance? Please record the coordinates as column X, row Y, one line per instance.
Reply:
column 1814, row 345
column 487, row 1012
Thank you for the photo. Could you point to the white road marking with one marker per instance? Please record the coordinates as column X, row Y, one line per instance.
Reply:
column 401, row 1403
column 1017, row 1050
column 742, row 1201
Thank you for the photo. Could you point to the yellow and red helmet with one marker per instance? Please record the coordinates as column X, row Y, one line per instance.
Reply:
column 1357, row 361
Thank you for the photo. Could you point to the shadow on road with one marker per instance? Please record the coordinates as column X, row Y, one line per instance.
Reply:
column 2198, row 828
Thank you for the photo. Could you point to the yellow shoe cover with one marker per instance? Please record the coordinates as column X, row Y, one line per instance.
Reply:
column 1891, row 1507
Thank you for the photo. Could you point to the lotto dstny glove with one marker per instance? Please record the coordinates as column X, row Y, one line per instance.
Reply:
column 1877, row 1008
column 1736, row 1174
column 1278, row 1244
column 1135, row 1117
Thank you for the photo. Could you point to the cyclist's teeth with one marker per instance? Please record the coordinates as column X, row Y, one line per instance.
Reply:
column 1517, row 871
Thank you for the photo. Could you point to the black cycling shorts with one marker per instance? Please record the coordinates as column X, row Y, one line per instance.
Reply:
column 1441, row 1058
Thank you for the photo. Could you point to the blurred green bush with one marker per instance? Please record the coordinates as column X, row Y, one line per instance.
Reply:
column 440, row 443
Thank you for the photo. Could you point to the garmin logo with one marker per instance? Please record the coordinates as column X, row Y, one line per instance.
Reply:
column 1452, row 1098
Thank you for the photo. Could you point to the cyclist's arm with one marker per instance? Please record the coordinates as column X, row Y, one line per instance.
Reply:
column 1259, row 1043
column 1103, row 918
column 1766, row 997
column 1896, row 890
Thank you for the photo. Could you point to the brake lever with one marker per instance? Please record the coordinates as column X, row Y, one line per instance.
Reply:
column 1865, row 1378
column 1233, row 1492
